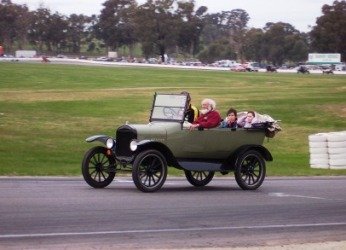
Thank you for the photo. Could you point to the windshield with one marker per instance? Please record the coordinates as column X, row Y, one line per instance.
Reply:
column 168, row 107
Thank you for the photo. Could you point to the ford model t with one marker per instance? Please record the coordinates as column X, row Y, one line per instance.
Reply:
column 149, row 149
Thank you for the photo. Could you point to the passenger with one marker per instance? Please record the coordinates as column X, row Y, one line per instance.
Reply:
column 191, row 113
column 231, row 120
column 209, row 117
column 248, row 120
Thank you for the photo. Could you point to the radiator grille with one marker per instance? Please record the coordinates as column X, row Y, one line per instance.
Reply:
column 125, row 134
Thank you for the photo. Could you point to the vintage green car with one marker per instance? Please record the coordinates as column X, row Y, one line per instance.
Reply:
column 148, row 149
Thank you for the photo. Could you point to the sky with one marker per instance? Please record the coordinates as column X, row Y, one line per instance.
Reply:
column 301, row 14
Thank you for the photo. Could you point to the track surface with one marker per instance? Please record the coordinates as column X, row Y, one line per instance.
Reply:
column 67, row 213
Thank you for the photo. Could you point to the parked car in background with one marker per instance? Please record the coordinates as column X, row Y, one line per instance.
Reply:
column 303, row 69
column 61, row 56
column 340, row 67
column 238, row 68
column 251, row 66
column 327, row 71
column 271, row 68
column 104, row 59
column 225, row 63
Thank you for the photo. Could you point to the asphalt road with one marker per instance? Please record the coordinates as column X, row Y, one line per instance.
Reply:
column 66, row 213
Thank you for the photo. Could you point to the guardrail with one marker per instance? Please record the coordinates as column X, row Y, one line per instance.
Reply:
column 105, row 63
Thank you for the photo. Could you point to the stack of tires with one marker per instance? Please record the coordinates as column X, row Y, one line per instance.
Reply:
column 337, row 150
column 318, row 148
column 328, row 150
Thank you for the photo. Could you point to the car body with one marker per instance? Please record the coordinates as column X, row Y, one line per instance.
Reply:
column 271, row 68
column 251, row 66
column 148, row 149
column 238, row 68
column 303, row 69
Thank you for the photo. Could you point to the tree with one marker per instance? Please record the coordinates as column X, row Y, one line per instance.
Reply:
column 237, row 23
column 156, row 27
column 279, row 41
column 38, row 30
column 115, row 26
column 217, row 51
column 231, row 25
column 329, row 35
column 77, row 31
column 14, row 20
column 215, row 28
column 253, row 44
column 49, row 30
column 297, row 48
column 190, row 26
column 57, row 33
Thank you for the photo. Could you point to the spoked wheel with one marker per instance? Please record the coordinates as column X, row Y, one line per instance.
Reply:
column 250, row 170
column 149, row 171
column 98, row 168
column 199, row 178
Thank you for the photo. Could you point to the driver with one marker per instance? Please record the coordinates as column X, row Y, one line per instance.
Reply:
column 191, row 113
column 208, row 118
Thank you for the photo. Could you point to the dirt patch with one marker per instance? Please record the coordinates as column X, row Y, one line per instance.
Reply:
column 338, row 110
column 71, row 95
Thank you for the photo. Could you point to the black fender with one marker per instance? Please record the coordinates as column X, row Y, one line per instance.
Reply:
column 148, row 144
column 100, row 138
column 233, row 158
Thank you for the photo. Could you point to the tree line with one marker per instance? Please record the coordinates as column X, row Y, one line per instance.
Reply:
column 173, row 27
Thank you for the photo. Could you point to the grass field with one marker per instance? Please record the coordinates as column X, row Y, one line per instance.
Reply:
column 47, row 110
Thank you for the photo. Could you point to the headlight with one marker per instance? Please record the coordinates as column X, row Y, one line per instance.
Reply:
column 133, row 145
column 110, row 143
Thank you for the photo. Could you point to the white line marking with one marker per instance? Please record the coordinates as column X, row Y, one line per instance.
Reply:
column 294, row 195
column 124, row 181
column 8, row 236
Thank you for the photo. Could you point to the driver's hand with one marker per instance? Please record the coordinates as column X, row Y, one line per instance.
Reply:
column 194, row 126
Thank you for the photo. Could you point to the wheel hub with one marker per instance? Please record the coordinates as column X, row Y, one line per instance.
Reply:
column 99, row 167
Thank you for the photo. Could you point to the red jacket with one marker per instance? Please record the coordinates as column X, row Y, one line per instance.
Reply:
column 211, row 119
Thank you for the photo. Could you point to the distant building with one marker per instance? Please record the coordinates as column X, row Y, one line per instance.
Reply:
column 25, row 53
column 332, row 58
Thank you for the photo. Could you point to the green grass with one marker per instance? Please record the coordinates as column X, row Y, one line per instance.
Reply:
column 48, row 110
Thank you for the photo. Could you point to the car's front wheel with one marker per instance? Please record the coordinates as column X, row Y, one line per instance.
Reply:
column 250, row 170
column 98, row 168
column 199, row 178
column 149, row 170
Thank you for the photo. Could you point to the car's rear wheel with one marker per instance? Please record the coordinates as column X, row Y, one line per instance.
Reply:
column 98, row 168
column 199, row 178
column 250, row 170
column 149, row 170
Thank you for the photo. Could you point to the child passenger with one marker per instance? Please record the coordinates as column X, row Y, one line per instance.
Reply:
column 231, row 120
column 248, row 120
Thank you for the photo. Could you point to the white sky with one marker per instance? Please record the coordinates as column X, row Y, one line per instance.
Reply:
column 299, row 13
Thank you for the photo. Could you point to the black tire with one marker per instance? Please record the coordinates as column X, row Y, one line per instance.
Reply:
column 149, row 171
column 98, row 168
column 199, row 178
column 250, row 170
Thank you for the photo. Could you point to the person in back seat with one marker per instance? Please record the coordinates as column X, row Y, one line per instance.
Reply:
column 231, row 119
column 248, row 120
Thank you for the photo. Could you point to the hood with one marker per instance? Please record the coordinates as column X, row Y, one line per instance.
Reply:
column 155, row 130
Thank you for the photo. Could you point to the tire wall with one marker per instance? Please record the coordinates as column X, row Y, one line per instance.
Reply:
column 328, row 150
